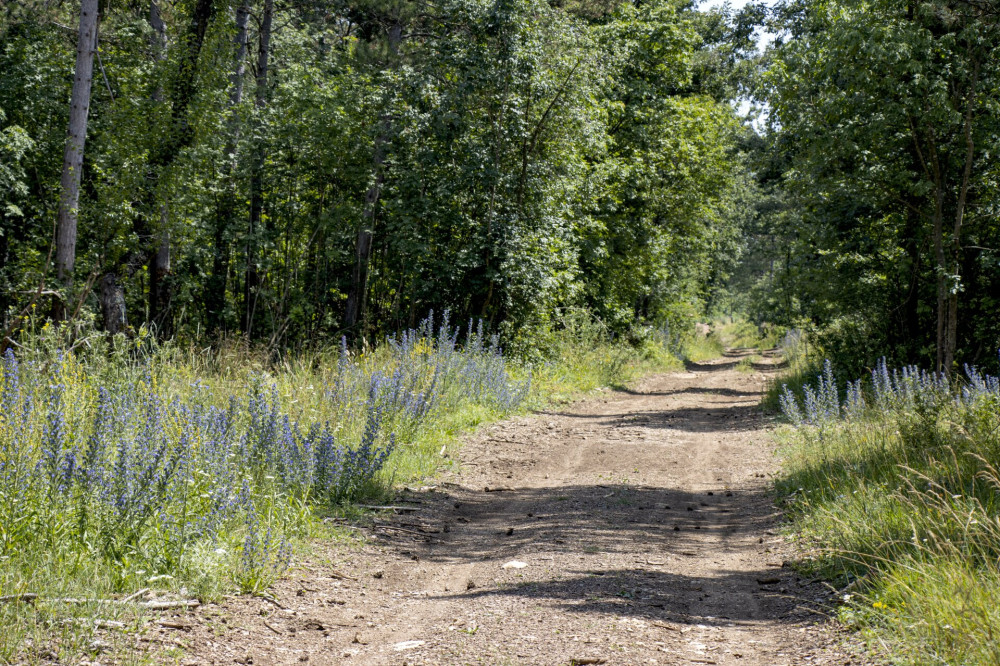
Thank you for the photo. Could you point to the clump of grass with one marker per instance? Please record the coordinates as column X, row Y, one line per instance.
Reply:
column 893, row 488
column 703, row 348
column 582, row 356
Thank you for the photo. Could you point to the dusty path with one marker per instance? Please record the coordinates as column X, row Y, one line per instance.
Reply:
column 642, row 518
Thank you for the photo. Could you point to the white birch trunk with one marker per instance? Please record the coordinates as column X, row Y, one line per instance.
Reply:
column 79, row 111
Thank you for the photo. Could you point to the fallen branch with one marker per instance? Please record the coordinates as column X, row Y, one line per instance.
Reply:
column 168, row 605
column 98, row 623
column 337, row 574
column 28, row 597
column 149, row 605
column 664, row 625
column 170, row 624
column 812, row 610
column 378, row 507
column 403, row 530
column 268, row 597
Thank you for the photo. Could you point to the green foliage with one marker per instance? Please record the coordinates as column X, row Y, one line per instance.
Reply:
column 510, row 160
column 896, row 503
column 879, row 221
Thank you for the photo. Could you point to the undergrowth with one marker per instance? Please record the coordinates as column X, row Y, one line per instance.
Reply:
column 892, row 484
column 128, row 465
column 801, row 364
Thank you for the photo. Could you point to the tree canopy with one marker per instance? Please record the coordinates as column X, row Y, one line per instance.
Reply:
column 292, row 171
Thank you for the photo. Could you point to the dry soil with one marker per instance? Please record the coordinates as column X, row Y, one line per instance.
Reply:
column 633, row 527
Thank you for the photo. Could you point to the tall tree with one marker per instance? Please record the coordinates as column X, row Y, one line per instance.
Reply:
column 179, row 136
column 79, row 111
column 892, row 110
column 354, row 310
column 215, row 292
column 255, row 232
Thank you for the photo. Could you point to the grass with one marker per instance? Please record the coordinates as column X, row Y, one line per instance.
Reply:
column 894, row 494
column 730, row 334
column 200, row 472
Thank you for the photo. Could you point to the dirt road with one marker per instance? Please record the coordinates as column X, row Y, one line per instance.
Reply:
column 631, row 528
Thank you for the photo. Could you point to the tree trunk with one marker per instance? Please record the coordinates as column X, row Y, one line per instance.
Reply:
column 159, row 263
column 215, row 295
column 252, row 283
column 951, row 334
column 160, row 288
column 112, row 298
column 363, row 244
column 355, row 310
column 158, row 41
column 180, row 136
column 942, row 280
column 73, row 156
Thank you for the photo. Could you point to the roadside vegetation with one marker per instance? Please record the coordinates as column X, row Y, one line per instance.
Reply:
column 183, row 474
column 892, row 487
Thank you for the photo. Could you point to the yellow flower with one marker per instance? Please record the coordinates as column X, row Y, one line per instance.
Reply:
column 879, row 605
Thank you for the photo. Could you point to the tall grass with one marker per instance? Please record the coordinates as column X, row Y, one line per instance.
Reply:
column 893, row 484
column 196, row 472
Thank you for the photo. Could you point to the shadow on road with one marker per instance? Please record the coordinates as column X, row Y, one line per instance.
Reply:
column 654, row 526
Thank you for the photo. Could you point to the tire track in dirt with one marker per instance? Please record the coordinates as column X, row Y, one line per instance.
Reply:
column 644, row 523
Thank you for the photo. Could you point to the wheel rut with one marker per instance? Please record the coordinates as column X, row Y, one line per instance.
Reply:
column 635, row 527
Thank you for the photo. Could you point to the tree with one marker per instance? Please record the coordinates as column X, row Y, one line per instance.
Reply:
column 79, row 110
column 890, row 112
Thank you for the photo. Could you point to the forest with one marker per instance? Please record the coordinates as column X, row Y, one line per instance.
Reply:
column 264, row 261
column 291, row 172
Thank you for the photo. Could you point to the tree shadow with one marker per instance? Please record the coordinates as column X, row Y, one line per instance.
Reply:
column 695, row 390
column 694, row 366
column 660, row 595
column 722, row 418
column 652, row 526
